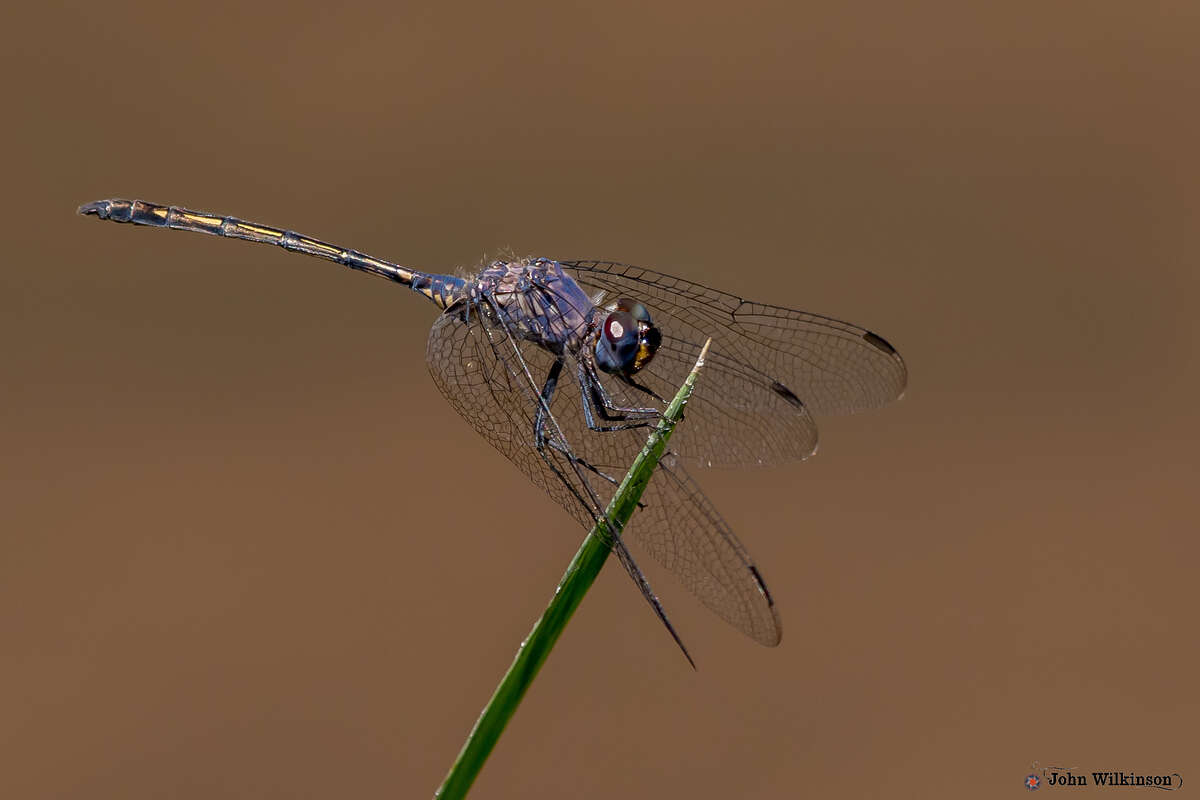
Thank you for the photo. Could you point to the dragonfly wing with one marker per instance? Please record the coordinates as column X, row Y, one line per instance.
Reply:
column 491, row 385
column 770, row 367
column 682, row 530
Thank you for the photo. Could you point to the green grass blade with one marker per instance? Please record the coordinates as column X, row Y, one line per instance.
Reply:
column 578, row 578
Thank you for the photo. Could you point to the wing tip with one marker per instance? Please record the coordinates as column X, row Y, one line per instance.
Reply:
column 884, row 346
column 879, row 343
column 774, row 633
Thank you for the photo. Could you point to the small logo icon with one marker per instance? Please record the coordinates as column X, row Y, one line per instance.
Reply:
column 1033, row 782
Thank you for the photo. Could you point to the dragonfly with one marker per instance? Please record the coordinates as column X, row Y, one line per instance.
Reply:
column 563, row 366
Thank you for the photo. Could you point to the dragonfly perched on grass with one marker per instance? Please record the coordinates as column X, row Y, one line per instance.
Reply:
column 562, row 366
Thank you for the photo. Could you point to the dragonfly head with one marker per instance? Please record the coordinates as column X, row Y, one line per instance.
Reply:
column 628, row 338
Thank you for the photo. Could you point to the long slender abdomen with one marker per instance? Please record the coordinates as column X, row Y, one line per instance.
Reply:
column 441, row 289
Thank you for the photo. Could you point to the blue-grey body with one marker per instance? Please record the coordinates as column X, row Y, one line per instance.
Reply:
column 538, row 301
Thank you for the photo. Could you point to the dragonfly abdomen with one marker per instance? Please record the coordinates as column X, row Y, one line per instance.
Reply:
column 441, row 289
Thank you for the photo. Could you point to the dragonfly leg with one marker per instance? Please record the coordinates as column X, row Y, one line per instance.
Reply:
column 539, row 426
column 607, row 407
column 589, row 418
column 543, row 410
column 598, row 403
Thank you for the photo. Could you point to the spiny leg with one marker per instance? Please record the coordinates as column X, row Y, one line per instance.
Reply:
column 539, row 425
column 607, row 408
column 591, row 423
column 589, row 400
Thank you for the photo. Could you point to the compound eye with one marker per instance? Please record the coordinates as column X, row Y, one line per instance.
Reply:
column 617, row 346
column 640, row 312
column 649, row 337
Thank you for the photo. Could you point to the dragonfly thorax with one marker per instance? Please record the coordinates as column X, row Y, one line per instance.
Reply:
column 536, row 301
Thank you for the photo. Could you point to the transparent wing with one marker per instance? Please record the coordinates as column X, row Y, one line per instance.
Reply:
column 682, row 530
column 473, row 365
column 769, row 366
column 676, row 523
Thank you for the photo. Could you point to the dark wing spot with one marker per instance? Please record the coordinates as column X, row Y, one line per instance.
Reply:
column 762, row 585
column 879, row 342
column 787, row 394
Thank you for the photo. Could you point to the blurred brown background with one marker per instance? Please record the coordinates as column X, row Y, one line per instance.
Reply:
column 249, row 551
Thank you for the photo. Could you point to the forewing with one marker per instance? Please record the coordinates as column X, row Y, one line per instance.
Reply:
column 769, row 366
